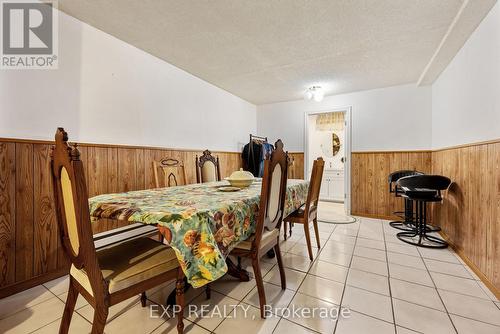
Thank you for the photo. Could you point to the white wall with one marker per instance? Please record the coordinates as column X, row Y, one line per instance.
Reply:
column 466, row 97
column 107, row 91
column 393, row 118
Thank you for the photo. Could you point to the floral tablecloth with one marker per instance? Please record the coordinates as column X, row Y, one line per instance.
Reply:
column 201, row 223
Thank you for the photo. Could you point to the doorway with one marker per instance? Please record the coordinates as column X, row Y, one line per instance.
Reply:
column 328, row 135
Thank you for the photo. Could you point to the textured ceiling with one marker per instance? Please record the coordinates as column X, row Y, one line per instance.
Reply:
column 268, row 50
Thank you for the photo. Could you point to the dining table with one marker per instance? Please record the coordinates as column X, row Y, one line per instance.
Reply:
column 199, row 221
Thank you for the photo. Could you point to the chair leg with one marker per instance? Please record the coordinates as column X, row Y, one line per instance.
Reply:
column 308, row 239
column 208, row 291
column 143, row 299
column 179, row 300
column 100, row 316
column 260, row 285
column 280, row 265
column 284, row 229
column 68, row 308
column 316, row 231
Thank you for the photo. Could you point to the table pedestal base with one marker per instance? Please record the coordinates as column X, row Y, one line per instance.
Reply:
column 236, row 271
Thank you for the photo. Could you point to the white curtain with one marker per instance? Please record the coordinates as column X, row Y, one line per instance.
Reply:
column 333, row 121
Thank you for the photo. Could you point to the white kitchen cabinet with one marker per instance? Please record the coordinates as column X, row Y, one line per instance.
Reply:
column 323, row 192
column 332, row 185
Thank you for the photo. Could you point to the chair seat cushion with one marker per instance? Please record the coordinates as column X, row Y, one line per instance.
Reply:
column 129, row 263
column 268, row 237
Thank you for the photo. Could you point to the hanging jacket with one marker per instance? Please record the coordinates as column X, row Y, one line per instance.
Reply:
column 267, row 149
column 252, row 157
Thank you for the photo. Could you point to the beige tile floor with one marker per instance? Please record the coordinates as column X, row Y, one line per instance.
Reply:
column 388, row 286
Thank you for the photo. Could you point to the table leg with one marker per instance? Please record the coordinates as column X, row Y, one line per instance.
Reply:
column 171, row 297
column 236, row 271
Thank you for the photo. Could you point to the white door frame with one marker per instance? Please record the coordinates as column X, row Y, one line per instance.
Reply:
column 347, row 149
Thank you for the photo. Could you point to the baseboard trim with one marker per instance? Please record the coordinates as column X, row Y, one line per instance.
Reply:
column 30, row 283
column 369, row 215
column 475, row 269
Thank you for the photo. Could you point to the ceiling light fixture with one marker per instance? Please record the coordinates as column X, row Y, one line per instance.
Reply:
column 315, row 93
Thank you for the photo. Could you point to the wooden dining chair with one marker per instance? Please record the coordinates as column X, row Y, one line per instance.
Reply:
column 207, row 168
column 268, row 221
column 309, row 211
column 172, row 173
column 110, row 275
column 291, row 164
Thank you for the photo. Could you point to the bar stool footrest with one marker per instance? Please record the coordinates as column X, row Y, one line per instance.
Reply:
column 410, row 226
column 402, row 225
column 435, row 242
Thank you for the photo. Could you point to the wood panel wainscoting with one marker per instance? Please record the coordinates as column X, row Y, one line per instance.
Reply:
column 30, row 250
column 370, row 195
column 470, row 213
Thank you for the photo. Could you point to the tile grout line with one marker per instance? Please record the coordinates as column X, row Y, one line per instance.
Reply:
column 346, row 277
column 317, row 259
column 247, row 294
column 302, row 282
column 306, row 273
column 475, row 320
column 389, row 284
column 407, row 266
column 368, row 315
column 28, row 307
column 425, row 286
column 58, row 319
column 440, row 298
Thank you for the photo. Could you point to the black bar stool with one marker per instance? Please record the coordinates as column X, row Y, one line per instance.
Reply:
column 407, row 224
column 423, row 189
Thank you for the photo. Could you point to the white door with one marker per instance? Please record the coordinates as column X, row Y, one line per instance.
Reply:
column 347, row 163
column 346, row 189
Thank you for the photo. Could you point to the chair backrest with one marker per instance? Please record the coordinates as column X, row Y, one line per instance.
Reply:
column 314, row 188
column 395, row 176
column 207, row 168
column 272, row 196
column 169, row 172
column 72, row 209
column 434, row 182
